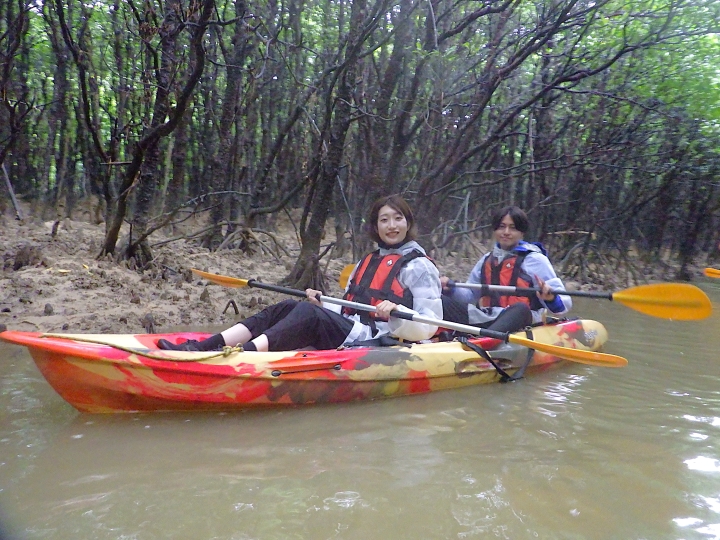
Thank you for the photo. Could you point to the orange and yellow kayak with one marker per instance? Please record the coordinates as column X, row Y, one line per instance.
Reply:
column 109, row 373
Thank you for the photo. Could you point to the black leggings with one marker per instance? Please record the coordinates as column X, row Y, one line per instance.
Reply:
column 292, row 325
column 513, row 318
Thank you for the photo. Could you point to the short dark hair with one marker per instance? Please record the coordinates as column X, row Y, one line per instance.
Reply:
column 520, row 219
column 396, row 202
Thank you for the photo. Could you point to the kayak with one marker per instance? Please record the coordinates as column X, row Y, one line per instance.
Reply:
column 112, row 373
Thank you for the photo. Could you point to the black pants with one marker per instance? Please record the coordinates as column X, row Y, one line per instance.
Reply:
column 292, row 325
column 513, row 318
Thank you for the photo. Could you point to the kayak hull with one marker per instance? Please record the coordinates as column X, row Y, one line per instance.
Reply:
column 109, row 373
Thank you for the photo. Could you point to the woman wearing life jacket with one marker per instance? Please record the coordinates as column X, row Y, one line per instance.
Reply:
column 396, row 276
column 512, row 262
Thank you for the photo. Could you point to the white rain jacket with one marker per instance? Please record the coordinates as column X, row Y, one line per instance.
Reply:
column 535, row 265
column 422, row 278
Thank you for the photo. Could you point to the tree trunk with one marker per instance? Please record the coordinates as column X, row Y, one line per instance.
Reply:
column 306, row 272
column 176, row 190
column 160, row 128
column 222, row 170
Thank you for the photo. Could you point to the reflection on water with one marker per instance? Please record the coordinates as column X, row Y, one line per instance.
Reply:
column 579, row 452
column 703, row 464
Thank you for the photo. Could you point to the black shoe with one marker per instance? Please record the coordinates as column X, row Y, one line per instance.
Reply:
column 189, row 345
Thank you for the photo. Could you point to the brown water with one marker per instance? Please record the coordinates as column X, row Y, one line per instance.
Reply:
column 580, row 452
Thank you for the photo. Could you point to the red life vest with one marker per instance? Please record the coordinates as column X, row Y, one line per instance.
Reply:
column 376, row 280
column 508, row 273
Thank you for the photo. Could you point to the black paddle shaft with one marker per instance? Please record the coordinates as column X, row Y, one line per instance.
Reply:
column 395, row 313
column 485, row 290
column 276, row 288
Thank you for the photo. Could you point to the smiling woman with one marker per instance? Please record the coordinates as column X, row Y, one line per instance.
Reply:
column 392, row 226
column 397, row 276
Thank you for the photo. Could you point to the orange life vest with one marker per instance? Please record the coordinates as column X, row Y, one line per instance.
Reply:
column 376, row 280
column 508, row 273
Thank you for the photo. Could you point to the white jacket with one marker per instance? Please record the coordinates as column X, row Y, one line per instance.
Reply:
column 535, row 265
column 422, row 278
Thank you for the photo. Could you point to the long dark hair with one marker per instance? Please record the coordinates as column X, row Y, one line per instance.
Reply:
column 396, row 202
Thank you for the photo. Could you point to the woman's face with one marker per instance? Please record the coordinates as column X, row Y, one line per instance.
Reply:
column 506, row 235
column 392, row 226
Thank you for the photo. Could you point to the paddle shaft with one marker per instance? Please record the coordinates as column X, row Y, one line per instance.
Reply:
column 503, row 336
column 527, row 291
column 576, row 355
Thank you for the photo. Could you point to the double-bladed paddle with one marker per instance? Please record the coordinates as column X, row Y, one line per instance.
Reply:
column 677, row 301
column 592, row 358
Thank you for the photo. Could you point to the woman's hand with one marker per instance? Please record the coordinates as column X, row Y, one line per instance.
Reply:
column 384, row 308
column 313, row 296
column 544, row 293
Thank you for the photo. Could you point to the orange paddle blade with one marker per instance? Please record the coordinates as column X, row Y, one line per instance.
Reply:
column 592, row 358
column 676, row 301
column 345, row 275
column 712, row 272
column 225, row 281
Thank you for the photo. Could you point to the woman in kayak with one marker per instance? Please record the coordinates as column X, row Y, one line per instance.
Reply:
column 513, row 262
column 396, row 276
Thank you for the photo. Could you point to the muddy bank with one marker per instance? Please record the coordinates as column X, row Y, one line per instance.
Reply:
column 51, row 281
column 55, row 283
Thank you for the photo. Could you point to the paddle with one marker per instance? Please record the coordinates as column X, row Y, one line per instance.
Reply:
column 576, row 355
column 678, row 301
column 345, row 275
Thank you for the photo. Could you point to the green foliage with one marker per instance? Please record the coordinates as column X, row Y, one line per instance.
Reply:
column 584, row 112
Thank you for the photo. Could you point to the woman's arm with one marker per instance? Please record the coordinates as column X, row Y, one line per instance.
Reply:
column 422, row 278
column 537, row 265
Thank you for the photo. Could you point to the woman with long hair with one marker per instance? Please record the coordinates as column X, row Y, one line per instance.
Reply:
column 398, row 275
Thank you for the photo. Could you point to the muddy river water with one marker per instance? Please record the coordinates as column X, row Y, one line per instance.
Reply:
column 578, row 452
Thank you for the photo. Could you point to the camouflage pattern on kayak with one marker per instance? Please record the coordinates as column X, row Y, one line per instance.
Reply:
column 107, row 373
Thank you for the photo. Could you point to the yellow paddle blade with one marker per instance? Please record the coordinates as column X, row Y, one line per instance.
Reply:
column 225, row 281
column 676, row 301
column 592, row 358
column 712, row 272
column 345, row 275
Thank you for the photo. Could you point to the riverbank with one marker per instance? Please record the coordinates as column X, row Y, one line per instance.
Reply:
column 52, row 281
column 55, row 283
